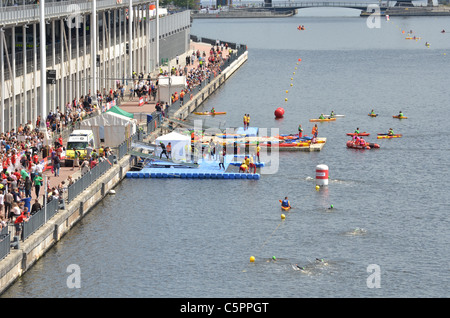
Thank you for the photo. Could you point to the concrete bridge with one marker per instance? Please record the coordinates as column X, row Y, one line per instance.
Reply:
column 321, row 4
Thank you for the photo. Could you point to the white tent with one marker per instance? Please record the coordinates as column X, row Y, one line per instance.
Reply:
column 111, row 127
column 168, row 85
column 178, row 143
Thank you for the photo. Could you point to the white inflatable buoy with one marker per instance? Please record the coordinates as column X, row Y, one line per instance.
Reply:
column 322, row 175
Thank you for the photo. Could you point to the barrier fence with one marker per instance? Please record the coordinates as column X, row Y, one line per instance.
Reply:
column 88, row 178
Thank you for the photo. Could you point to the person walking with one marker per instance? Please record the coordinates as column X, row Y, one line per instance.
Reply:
column 28, row 185
column 56, row 165
column 163, row 151
column 222, row 159
column 8, row 201
column 20, row 220
column 37, row 184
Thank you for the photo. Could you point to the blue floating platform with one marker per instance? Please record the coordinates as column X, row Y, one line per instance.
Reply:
column 249, row 132
column 207, row 169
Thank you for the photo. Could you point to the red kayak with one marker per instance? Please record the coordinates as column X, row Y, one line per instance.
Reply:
column 352, row 144
column 359, row 134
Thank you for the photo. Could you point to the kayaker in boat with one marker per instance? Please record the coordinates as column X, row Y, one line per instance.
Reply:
column 357, row 130
column 332, row 114
column 300, row 131
column 321, row 116
column 213, row 110
column 390, row 132
column 372, row 112
column 285, row 203
column 400, row 114
column 357, row 141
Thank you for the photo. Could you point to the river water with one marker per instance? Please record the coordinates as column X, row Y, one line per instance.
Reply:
column 169, row 238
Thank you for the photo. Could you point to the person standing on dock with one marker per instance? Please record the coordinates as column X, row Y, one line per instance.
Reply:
column 163, row 151
column 258, row 148
column 315, row 131
column 169, row 150
column 222, row 159
column 300, row 132
column 251, row 164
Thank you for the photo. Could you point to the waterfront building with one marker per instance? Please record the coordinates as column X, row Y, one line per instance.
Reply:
column 122, row 37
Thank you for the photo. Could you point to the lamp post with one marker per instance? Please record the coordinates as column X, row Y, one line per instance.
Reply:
column 93, row 29
column 43, row 92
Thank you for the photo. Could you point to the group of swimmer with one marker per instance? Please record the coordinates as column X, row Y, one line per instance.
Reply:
column 320, row 261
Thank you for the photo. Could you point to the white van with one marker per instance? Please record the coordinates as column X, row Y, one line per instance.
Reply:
column 78, row 141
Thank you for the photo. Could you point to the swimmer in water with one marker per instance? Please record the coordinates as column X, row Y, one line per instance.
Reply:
column 331, row 207
column 321, row 260
column 300, row 267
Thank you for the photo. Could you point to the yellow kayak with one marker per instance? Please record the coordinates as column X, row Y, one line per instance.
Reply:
column 209, row 113
column 321, row 120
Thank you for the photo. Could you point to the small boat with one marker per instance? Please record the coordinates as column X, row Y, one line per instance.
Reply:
column 373, row 115
column 287, row 208
column 359, row 134
column 352, row 144
column 386, row 136
column 412, row 38
column 210, row 113
column 322, row 120
column 399, row 117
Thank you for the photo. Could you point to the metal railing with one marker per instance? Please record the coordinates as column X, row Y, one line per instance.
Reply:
column 89, row 178
column 40, row 218
column 5, row 243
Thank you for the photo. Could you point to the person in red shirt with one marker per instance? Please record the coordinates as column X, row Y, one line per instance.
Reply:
column 35, row 158
column 18, row 223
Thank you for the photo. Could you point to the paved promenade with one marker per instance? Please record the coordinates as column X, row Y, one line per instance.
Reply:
column 131, row 107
